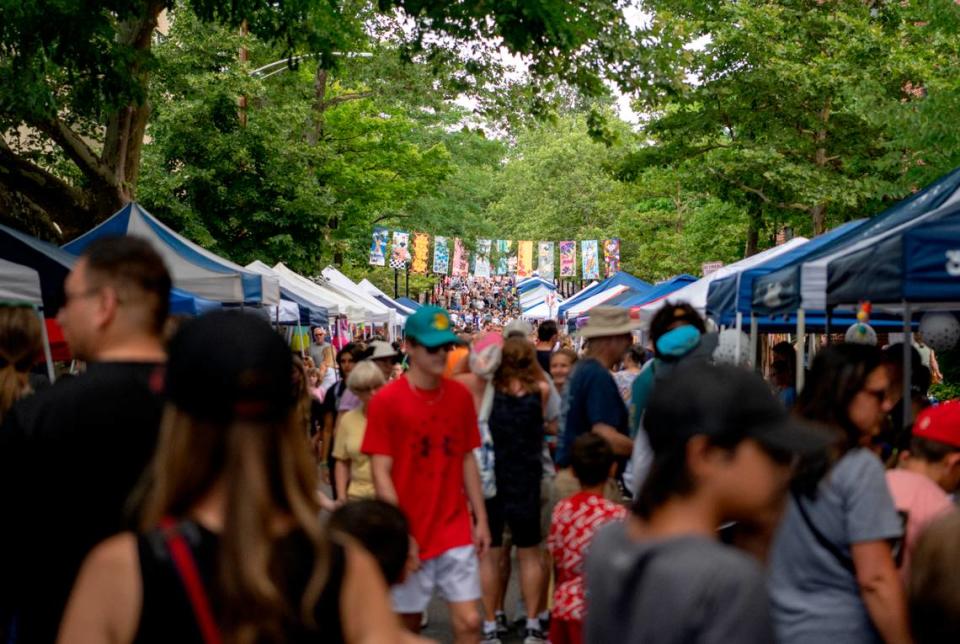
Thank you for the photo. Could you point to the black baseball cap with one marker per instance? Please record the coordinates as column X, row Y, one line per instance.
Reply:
column 230, row 365
column 728, row 404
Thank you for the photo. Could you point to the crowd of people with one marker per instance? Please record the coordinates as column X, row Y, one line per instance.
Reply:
column 208, row 484
column 478, row 302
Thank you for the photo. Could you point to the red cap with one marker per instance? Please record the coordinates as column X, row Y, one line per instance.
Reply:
column 940, row 423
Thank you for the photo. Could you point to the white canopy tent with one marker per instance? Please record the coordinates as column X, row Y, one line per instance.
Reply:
column 380, row 313
column 336, row 303
column 371, row 289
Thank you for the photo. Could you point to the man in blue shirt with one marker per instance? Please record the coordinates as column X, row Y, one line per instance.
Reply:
column 592, row 402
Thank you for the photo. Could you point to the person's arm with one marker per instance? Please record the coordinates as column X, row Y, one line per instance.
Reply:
column 471, row 481
column 365, row 612
column 105, row 605
column 881, row 590
column 341, row 477
column 380, row 466
column 620, row 444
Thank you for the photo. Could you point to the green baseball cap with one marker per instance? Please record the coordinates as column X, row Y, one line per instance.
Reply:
column 431, row 327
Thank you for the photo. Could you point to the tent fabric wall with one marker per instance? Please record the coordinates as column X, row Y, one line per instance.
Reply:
column 193, row 268
column 931, row 262
column 312, row 311
column 19, row 285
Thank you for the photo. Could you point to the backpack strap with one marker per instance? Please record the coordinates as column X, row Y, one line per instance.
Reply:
column 186, row 566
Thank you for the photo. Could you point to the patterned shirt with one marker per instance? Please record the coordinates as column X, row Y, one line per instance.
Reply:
column 575, row 521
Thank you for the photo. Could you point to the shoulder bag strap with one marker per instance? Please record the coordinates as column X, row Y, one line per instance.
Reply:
column 828, row 545
column 186, row 567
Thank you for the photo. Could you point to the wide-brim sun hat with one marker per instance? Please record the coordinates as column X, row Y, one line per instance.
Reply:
column 381, row 350
column 606, row 321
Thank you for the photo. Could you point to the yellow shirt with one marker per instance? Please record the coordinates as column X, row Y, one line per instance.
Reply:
column 346, row 447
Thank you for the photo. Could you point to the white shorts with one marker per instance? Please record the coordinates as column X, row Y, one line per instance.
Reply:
column 455, row 572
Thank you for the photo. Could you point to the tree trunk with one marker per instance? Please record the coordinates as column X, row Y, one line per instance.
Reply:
column 753, row 231
column 819, row 216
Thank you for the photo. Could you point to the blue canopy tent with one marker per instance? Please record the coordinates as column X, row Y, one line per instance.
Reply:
column 619, row 279
column 659, row 290
column 931, row 262
column 734, row 294
column 407, row 302
column 780, row 291
column 194, row 269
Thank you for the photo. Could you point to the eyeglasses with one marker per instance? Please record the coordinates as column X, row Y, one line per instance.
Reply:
column 879, row 394
column 67, row 296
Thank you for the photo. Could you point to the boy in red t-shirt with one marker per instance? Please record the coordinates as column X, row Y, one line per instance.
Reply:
column 421, row 432
column 575, row 520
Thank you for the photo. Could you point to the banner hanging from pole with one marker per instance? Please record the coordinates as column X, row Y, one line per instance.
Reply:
column 611, row 256
column 568, row 259
column 401, row 251
column 545, row 260
column 524, row 258
column 421, row 253
column 503, row 256
column 378, row 246
column 590, row 259
column 461, row 261
column 441, row 255
column 482, row 266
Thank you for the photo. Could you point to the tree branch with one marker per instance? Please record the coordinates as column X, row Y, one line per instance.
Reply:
column 343, row 98
column 42, row 188
column 77, row 149
column 759, row 193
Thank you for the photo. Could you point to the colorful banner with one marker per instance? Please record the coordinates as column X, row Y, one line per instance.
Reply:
column 482, row 264
column 524, row 258
column 421, row 253
column 461, row 259
column 503, row 256
column 441, row 256
column 589, row 259
column 568, row 259
column 401, row 251
column 545, row 260
column 378, row 247
column 611, row 256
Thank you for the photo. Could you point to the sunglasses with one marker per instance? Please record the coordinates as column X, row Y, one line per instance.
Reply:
column 446, row 348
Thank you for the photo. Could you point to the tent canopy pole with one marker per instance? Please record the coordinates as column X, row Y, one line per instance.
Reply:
column 907, row 363
column 801, row 346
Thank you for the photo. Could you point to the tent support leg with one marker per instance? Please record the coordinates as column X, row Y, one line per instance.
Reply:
column 47, row 353
column 801, row 346
column 739, row 328
column 754, row 339
column 907, row 363
column 828, row 320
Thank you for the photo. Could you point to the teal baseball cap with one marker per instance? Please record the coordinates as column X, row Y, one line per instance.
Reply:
column 431, row 327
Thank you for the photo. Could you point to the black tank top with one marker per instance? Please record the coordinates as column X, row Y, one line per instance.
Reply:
column 167, row 615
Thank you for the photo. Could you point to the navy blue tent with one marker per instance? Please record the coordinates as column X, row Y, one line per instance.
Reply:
column 621, row 278
column 874, row 271
column 931, row 261
column 779, row 291
column 734, row 293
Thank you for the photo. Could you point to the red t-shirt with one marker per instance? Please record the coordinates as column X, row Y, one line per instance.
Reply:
column 427, row 433
column 575, row 521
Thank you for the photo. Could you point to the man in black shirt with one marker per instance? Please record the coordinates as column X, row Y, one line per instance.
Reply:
column 71, row 455
column 547, row 334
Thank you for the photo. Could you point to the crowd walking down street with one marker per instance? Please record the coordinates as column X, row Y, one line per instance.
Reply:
column 207, row 483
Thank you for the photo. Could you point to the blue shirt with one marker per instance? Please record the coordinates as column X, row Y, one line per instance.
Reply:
column 591, row 397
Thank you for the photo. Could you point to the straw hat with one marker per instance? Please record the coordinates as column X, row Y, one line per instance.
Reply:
column 605, row 321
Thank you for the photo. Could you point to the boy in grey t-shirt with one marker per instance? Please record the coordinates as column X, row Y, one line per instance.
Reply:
column 722, row 446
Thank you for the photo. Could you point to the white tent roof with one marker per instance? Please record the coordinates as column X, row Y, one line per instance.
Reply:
column 379, row 311
column 308, row 296
column 696, row 293
column 336, row 303
column 543, row 311
column 371, row 289
column 19, row 284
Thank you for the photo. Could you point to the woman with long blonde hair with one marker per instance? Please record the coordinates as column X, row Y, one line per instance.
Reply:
column 232, row 549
